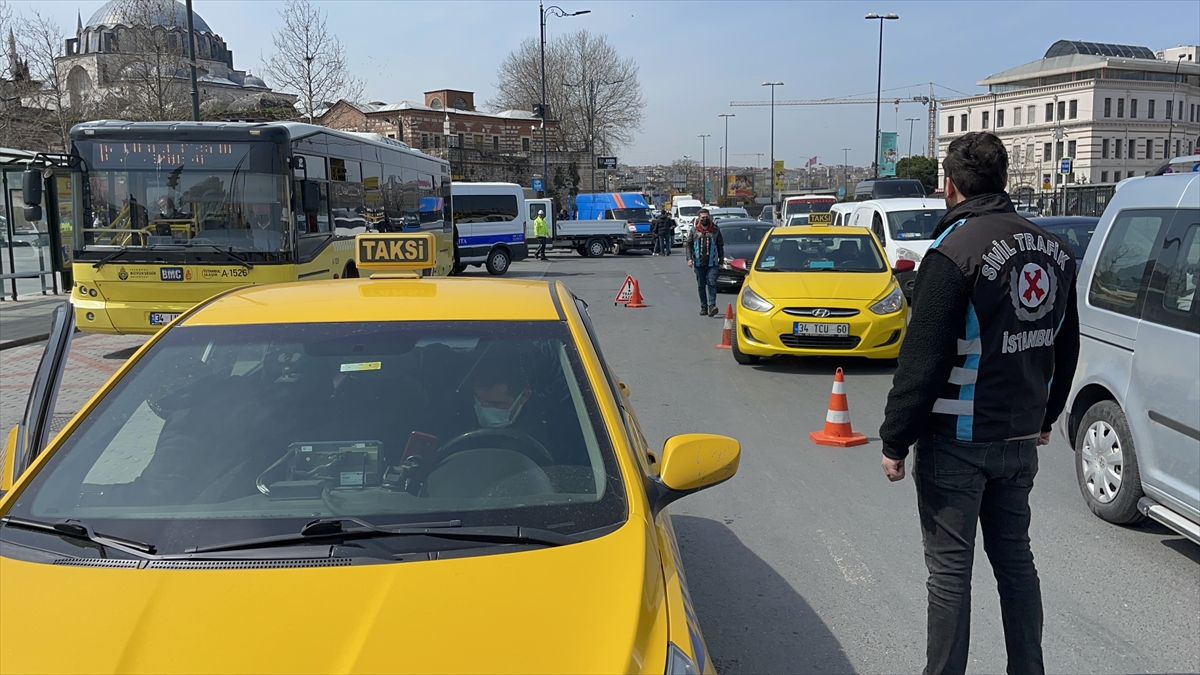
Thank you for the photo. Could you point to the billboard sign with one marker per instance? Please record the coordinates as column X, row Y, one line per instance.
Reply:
column 778, row 171
column 606, row 162
column 887, row 153
column 740, row 185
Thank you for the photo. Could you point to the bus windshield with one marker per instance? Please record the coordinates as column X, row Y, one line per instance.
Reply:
column 152, row 194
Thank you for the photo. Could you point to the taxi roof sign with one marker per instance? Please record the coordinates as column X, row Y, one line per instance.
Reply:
column 394, row 252
column 820, row 218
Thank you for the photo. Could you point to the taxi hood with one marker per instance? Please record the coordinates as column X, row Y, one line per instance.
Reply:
column 587, row 607
column 820, row 285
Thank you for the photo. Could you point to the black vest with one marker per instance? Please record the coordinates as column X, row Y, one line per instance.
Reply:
column 1020, row 277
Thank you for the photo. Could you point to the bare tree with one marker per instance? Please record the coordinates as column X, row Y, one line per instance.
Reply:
column 42, row 44
column 309, row 61
column 151, row 73
column 589, row 86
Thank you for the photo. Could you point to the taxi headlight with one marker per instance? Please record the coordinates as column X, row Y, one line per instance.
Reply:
column 891, row 303
column 725, row 263
column 755, row 302
column 679, row 663
column 908, row 254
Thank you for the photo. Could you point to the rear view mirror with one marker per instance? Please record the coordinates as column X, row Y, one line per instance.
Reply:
column 692, row 462
column 904, row 266
column 310, row 196
column 31, row 194
column 738, row 264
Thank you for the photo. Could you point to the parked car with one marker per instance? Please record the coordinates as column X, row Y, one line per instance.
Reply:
column 841, row 212
column 1075, row 230
column 727, row 213
column 908, row 232
column 767, row 214
column 888, row 188
column 742, row 237
column 1133, row 414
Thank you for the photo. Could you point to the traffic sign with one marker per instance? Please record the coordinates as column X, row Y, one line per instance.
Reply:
column 538, row 185
column 626, row 292
column 1064, row 165
column 606, row 162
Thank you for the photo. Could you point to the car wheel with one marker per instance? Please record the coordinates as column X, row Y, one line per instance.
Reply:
column 744, row 359
column 458, row 270
column 581, row 250
column 497, row 262
column 1106, row 464
column 595, row 248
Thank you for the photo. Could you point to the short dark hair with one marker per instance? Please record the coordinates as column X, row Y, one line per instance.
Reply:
column 702, row 211
column 977, row 163
column 495, row 370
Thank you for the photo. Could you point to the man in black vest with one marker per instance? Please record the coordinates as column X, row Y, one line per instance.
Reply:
column 983, row 373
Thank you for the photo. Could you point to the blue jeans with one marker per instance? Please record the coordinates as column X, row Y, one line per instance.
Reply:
column 706, row 283
column 658, row 244
column 666, row 243
column 958, row 484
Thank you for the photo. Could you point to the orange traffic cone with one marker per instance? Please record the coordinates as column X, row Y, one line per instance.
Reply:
column 727, row 332
column 837, row 431
column 636, row 300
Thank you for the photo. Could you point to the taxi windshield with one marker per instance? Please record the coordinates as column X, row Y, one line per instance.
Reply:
column 224, row 433
column 820, row 253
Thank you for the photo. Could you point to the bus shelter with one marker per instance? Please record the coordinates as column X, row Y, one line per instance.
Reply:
column 35, row 257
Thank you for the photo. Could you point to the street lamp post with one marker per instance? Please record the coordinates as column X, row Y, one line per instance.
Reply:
column 879, row 84
column 846, row 171
column 771, row 168
column 542, row 12
column 725, row 161
column 703, row 168
column 908, row 166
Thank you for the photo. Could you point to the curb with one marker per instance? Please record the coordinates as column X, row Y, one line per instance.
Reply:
column 21, row 342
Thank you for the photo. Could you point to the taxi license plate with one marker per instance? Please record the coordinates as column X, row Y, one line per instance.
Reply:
column 832, row 329
column 162, row 318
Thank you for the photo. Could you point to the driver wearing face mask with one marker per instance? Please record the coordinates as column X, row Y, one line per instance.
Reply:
column 501, row 394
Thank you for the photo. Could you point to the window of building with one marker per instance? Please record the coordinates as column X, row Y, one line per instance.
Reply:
column 1149, row 148
column 424, row 141
column 437, row 141
column 1103, row 176
column 1073, row 109
column 460, row 140
column 1000, row 118
column 1062, row 110
column 1049, row 112
column 525, row 143
column 950, row 124
column 1150, row 109
column 1030, row 113
column 1133, row 108
column 1176, row 148
column 1116, row 176
column 1058, row 179
column 1070, row 148
column 1029, row 152
column 1123, row 266
column 1170, row 109
column 478, row 141
column 1016, row 117
column 1058, row 150
column 1046, row 152
column 1104, row 149
column 1117, row 147
column 1120, row 107
column 1132, row 149
column 496, row 143
column 962, row 122
column 1108, row 107
column 985, row 118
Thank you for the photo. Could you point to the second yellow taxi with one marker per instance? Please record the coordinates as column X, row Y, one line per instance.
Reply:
column 817, row 290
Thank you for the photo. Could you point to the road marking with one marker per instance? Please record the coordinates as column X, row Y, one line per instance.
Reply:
column 848, row 561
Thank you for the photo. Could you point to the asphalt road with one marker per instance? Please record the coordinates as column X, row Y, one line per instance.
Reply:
column 809, row 560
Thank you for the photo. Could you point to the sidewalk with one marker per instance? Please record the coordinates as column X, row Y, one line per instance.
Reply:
column 28, row 319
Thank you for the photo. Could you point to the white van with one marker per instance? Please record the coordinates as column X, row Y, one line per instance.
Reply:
column 489, row 225
column 841, row 212
column 685, row 211
column 1133, row 414
column 903, row 226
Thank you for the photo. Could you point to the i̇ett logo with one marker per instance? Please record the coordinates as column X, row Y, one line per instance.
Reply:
column 122, row 274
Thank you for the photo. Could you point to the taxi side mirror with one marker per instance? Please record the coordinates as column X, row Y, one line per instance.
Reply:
column 904, row 266
column 693, row 462
column 738, row 264
column 10, row 451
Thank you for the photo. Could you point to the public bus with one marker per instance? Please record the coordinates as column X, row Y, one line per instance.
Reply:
column 168, row 214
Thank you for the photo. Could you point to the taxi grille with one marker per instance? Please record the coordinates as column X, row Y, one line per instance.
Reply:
column 822, row 312
column 819, row 341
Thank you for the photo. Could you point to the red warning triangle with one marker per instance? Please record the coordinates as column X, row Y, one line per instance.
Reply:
column 626, row 292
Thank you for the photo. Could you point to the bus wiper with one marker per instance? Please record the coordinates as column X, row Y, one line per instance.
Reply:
column 72, row 527
column 332, row 528
column 111, row 256
column 227, row 251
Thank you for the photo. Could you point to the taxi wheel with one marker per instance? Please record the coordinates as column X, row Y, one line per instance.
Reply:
column 497, row 262
column 743, row 359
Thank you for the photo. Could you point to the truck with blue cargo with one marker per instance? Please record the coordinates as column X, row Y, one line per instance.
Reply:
column 629, row 208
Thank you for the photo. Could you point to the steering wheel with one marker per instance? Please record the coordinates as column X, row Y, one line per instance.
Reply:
column 510, row 439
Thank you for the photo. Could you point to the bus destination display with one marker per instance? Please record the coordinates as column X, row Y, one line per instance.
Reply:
column 160, row 155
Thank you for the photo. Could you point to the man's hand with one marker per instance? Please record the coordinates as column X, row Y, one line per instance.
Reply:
column 1043, row 438
column 689, row 263
column 893, row 468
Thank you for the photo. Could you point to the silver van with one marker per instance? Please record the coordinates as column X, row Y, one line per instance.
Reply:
column 1133, row 415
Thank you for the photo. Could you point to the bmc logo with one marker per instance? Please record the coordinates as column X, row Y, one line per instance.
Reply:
column 171, row 273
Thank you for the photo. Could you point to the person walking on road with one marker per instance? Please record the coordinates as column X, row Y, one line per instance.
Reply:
column 668, row 232
column 991, row 349
column 657, row 226
column 542, row 232
column 705, row 249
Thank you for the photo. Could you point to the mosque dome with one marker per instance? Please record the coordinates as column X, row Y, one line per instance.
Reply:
column 165, row 13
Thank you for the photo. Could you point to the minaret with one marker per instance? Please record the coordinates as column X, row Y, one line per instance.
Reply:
column 78, row 24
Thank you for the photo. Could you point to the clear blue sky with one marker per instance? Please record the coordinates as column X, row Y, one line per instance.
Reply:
column 696, row 57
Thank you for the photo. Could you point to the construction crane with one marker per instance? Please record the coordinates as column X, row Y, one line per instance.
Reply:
column 759, row 155
column 931, row 101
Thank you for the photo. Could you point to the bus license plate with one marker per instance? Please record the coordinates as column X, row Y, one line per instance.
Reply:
column 162, row 318
column 822, row 329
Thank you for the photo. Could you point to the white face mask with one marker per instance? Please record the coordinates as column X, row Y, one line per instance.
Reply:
column 495, row 418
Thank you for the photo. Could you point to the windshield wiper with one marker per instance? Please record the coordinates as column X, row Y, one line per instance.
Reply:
column 111, row 256
column 332, row 528
column 78, row 529
column 227, row 251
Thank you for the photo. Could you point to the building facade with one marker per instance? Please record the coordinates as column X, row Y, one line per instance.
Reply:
column 1117, row 111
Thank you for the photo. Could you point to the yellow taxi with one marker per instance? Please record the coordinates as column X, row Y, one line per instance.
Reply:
column 816, row 290
column 394, row 474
